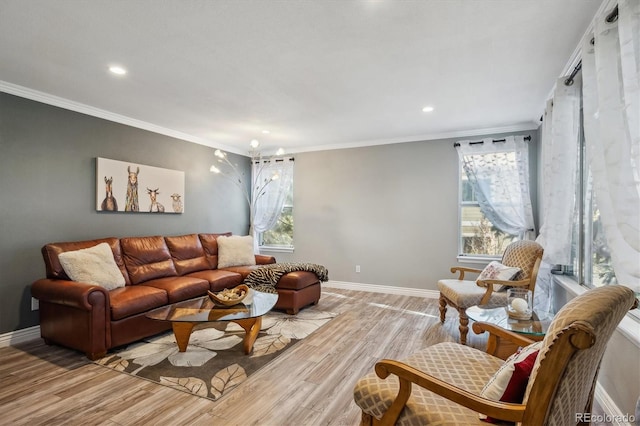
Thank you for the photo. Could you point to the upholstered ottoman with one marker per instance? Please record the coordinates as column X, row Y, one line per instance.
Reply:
column 297, row 290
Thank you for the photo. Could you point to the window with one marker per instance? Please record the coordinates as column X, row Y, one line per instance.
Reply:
column 281, row 235
column 494, row 200
column 591, row 260
column 591, row 264
column 478, row 236
column 273, row 199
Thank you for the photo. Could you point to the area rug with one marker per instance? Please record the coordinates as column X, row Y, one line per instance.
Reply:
column 214, row 363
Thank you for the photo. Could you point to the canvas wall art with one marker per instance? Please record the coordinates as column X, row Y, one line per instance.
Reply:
column 129, row 187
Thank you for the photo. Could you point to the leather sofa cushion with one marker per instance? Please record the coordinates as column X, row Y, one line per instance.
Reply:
column 218, row 279
column 242, row 270
column 297, row 280
column 180, row 288
column 187, row 253
column 147, row 258
column 54, row 269
column 210, row 246
column 135, row 299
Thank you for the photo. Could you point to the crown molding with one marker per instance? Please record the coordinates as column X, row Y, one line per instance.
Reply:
column 419, row 138
column 46, row 98
column 57, row 101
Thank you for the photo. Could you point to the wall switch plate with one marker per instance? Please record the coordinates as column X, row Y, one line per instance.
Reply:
column 357, row 268
column 35, row 304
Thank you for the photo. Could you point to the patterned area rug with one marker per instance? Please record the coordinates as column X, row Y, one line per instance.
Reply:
column 214, row 363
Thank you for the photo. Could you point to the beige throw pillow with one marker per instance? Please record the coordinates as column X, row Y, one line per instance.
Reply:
column 235, row 251
column 93, row 265
column 497, row 271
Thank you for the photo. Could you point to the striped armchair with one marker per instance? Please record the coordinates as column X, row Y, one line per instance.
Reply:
column 441, row 384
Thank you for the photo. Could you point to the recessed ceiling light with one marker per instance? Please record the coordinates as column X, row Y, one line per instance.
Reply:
column 427, row 109
column 266, row 132
column 117, row 70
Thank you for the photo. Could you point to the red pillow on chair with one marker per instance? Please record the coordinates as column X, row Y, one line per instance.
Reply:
column 509, row 383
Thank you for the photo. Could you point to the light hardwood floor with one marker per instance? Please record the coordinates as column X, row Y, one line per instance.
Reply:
column 310, row 384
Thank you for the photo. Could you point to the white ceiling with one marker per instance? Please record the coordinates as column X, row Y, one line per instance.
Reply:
column 317, row 74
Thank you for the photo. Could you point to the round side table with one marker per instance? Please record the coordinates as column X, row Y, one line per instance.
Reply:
column 535, row 328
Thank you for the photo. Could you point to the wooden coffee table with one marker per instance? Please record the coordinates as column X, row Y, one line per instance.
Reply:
column 189, row 313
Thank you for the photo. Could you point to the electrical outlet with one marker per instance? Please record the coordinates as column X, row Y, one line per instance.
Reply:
column 358, row 268
column 35, row 304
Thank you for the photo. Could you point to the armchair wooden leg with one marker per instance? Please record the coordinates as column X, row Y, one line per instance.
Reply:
column 443, row 308
column 464, row 326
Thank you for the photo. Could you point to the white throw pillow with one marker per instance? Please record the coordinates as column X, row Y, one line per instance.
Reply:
column 497, row 271
column 235, row 251
column 93, row 265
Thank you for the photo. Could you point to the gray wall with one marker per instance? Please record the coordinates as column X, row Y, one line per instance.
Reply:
column 47, row 191
column 392, row 209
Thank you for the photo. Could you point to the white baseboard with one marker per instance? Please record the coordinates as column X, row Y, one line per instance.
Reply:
column 19, row 336
column 612, row 413
column 375, row 288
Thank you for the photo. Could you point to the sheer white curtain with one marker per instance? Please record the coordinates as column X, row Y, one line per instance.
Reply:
column 499, row 175
column 272, row 180
column 559, row 145
column 610, row 73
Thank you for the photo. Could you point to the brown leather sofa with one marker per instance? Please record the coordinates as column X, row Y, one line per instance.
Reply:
column 157, row 271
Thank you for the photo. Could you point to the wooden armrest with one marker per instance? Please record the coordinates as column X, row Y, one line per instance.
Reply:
column 490, row 283
column 521, row 283
column 463, row 269
column 408, row 375
column 499, row 337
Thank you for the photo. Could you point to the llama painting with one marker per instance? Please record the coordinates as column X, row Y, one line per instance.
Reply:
column 109, row 203
column 119, row 180
column 131, row 204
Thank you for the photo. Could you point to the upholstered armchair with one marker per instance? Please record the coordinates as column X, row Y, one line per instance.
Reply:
column 462, row 294
column 444, row 383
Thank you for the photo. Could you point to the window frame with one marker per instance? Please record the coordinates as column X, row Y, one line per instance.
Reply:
column 281, row 248
column 582, row 265
column 469, row 257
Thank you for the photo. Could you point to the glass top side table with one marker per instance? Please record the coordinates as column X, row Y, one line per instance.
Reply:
column 535, row 328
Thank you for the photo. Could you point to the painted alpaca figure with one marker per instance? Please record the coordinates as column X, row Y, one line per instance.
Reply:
column 131, row 204
column 109, row 203
column 155, row 206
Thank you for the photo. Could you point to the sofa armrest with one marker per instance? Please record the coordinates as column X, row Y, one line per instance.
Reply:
column 262, row 259
column 68, row 293
column 75, row 315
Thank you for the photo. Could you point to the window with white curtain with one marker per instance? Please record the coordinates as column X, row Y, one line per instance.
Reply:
column 281, row 235
column 273, row 198
column 494, row 200
column 605, row 247
column 590, row 255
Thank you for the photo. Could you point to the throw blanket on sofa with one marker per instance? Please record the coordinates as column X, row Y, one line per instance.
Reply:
column 266, row 277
